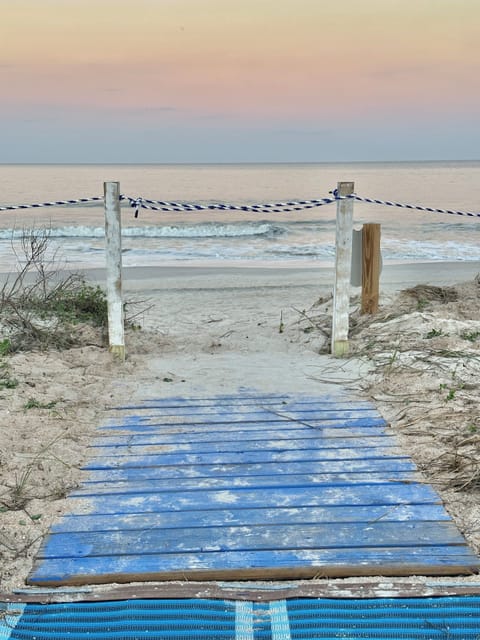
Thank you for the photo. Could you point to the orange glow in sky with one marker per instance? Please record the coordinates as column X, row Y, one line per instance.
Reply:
column 241, row 65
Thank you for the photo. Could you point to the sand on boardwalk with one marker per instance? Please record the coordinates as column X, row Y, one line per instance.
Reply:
column 211, row 331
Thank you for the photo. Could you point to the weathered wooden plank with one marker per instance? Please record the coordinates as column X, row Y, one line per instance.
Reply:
column 249, row 517
column 280, row 399
column 254, row 427
column 245, row 429
column 352, row 535
column 174, row 436
column 197, row 401
column 260, row 591
column 220, row 421
column 362, row 453
column 319, row 558
column 147, row 411
column 208, row 408
column 271, row 481
column 242, row 446
column 386, row 494
column 349, row 417
column 273, row 564
column 259, row 411
column 376, row 465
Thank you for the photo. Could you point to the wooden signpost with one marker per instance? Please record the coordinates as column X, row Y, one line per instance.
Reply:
column 370, row 267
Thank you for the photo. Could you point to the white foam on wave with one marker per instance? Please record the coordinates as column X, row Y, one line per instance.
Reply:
column 428, row 250
column 204, row 230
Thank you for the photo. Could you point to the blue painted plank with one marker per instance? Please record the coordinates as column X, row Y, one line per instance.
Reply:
column 258, row 412
column 249, row 517
column 179, row 401
column 352, row 535
column 326, row 562
column 387, row 494
column 237, row 422
column 162, row 437
column 362, row 453
column 341, row 401
column 138, row 427
column 375, row 465
column 366, row 417
column 281, row 480
column 249, row 407
column 231, row 446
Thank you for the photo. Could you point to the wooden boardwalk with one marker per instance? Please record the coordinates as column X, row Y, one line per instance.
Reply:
column 245, row 487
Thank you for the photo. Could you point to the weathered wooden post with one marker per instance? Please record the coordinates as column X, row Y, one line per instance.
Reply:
column 113, row 251
column 343, row 265
column 370, row 268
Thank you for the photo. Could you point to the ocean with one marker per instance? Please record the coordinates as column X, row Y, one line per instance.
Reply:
column 299, row 238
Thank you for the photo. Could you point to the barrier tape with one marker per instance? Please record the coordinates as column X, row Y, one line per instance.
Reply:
column 416, row 207
column 272, row 207
column 58, row 203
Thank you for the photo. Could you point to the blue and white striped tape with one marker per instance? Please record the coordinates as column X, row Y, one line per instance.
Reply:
column 281, row 207
column 269, row 207
column 58, row 203
column 416, row 207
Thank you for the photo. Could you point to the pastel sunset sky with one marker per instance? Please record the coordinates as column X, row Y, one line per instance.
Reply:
column 239, row 80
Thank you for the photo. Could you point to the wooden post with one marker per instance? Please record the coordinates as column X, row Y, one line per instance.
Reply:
column 343, row 265
column 370, row 267
column 113, row 250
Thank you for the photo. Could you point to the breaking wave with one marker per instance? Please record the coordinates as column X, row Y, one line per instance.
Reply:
column 203, row 230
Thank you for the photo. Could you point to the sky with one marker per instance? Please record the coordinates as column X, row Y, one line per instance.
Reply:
column 136, row 81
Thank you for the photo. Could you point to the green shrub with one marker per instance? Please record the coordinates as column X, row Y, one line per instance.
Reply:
column 5, row 347
column 75, row 301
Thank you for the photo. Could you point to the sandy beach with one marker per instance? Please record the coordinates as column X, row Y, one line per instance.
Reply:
column 209, row 330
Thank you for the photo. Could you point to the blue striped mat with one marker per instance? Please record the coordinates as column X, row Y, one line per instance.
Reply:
column 443, row 618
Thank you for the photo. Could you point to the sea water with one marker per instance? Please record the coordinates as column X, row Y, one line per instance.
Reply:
column 76, row 234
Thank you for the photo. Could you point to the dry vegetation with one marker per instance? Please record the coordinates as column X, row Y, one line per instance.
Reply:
column 39, row 307
column 422, row 369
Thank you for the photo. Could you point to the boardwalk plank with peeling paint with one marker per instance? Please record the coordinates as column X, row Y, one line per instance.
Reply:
column 258, row 486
